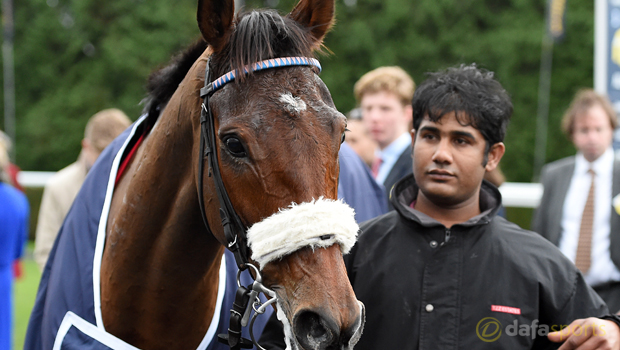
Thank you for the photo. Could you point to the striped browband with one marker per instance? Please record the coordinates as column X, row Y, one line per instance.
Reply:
column 266, row 64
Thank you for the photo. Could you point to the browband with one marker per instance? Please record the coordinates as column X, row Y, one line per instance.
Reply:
column 255, row 67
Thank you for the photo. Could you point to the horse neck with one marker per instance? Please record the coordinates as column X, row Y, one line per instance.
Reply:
column 157, row 195
column 157, row 245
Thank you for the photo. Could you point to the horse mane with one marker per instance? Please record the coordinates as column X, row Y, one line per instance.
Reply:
column 163, row 82
column 257, row 35
column 260, row 35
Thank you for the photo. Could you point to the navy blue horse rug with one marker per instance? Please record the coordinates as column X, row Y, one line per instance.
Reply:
column 67, row 311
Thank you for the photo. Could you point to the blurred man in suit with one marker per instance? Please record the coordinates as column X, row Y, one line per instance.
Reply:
column 359, row 139
column 384, row 96
column 580, row 207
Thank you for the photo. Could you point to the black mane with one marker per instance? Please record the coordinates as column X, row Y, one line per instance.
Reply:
column 258, row 35
column 163, row 82
column 261, row 35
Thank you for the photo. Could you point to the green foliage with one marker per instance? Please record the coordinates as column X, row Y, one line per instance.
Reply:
column 61, row 82
column 34, row 195
column 504, row 36
column 78, row 57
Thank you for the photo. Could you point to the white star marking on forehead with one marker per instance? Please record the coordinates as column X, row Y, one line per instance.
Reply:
column 294, row 103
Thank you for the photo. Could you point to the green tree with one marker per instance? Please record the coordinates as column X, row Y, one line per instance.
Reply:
column 503, row 36
column 74, row 57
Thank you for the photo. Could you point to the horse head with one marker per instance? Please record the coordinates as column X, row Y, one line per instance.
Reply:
column 277, row 135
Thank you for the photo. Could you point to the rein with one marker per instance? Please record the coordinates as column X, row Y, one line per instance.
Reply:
column 234, row 230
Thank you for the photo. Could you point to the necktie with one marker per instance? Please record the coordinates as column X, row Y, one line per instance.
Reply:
column 584, row 246
column 376, row 164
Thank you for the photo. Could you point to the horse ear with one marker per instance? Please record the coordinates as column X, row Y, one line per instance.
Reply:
column 316, row 15
column 215, row 19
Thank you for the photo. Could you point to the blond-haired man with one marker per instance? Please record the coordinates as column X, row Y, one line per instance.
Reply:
column 580, row 208
column 384, row 95
column 101, row 129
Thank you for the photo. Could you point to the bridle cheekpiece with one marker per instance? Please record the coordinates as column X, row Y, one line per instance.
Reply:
column 234, row 230
column 246, row 299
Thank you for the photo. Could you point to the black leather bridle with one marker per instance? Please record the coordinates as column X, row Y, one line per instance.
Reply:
column 234, row 230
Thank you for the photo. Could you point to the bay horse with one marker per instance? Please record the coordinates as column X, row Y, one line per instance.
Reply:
column 271, row 134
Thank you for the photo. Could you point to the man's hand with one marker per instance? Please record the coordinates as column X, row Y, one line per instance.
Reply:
column 587, row 334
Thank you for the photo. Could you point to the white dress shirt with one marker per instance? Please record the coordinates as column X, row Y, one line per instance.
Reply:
column 390, row 155
column 602, row 269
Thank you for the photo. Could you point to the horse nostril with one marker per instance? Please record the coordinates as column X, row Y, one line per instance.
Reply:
column 313, row 331
column 350, row 335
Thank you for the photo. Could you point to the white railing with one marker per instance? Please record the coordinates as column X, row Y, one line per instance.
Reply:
column 34, row 178
column 521, row 194
column 514, row 194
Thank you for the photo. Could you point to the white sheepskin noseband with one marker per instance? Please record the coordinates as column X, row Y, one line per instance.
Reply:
column 319, row 223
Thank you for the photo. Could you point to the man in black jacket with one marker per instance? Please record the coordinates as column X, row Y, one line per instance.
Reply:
column 443, row 271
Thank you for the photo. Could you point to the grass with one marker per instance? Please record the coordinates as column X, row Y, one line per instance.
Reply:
column 24, row 293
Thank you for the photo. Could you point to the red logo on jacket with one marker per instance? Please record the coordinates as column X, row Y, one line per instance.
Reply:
column 506, row 309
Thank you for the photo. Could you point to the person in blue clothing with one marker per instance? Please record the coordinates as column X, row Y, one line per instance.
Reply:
column 357, row 187
column 14, row 213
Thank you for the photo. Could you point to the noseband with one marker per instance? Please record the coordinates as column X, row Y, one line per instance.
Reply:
column 234, row 230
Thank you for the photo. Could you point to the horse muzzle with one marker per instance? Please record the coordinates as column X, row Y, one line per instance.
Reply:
column 314, row 330
column 319, row 329
column 300, row 250
column 316, row 303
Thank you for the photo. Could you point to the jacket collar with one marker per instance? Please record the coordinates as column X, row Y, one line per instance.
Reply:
column 406, row 191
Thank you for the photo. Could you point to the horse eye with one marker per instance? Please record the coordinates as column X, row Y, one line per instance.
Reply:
column 343, row 137
column 235, row 147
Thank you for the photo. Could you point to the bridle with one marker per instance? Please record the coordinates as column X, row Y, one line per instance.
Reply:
column 234, row 230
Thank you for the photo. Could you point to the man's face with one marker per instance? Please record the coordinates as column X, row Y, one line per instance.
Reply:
column 592, row 132
column 89, row 153
column 385, row 117
column 448, row 161
column 360, row 141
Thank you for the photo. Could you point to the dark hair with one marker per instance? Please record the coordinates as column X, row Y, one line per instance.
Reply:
column 163, row 83
column 259, row 35
column 472, row 93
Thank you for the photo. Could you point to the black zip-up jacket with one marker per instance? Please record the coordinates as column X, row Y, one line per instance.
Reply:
column 429, row 287
column 482, row 284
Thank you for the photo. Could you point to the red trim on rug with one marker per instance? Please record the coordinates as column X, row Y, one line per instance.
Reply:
column 125, row 163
